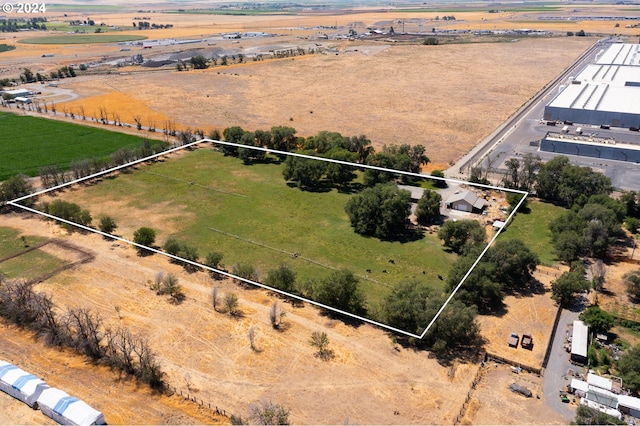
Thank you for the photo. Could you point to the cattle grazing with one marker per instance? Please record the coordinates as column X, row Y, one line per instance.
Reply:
column 368, row 271
column 384, row 271
column 440, row 277
column 392, row 261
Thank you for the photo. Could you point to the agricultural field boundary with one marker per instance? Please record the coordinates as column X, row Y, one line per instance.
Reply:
column 16, row 204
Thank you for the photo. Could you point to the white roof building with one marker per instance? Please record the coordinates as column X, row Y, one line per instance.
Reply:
column 68, row 410
column 599, row 381
column 579, row 342
column 19, row 384
column 605, row 92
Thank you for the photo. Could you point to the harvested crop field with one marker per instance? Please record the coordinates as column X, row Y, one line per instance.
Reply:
column 445, row 97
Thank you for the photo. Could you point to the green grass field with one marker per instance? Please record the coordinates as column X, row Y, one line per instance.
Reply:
column 533, row 229
column 5, row 47
column 11, row 242
column 30, row 265
column 29, row 143
column 249, row 214
column 82, row 39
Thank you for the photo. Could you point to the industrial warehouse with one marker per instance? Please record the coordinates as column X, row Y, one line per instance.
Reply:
column 589, row 146
column 604, row 93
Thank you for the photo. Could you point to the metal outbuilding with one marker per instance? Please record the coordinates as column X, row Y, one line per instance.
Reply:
column 629, row 405
column 579, row 342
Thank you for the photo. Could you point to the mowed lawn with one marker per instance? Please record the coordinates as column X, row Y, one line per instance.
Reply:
column 31, row 143
column 533, row 229
column 251, row 215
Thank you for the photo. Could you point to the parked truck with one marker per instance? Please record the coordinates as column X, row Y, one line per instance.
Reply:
column 527, row 341
column 513, row 340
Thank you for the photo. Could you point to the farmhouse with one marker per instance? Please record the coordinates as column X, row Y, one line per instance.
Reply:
column 579, row 342
column 465, row 201
column 606, row 92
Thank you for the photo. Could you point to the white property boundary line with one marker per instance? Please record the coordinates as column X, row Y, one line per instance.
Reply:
column 255, row 283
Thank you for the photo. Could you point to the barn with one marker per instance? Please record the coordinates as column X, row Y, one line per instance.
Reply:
column 68, row 410
column 21, row 385
column 579, row 343
column 606, row 92
column 465, row 201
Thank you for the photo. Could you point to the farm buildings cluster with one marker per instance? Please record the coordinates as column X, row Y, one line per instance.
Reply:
column 603, row 394
column 54, row 403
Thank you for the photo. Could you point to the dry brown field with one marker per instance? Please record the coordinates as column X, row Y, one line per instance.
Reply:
column 447, row 98
column 208, row 353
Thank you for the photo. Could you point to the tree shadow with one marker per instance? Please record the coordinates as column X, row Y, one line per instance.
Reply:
column 351, row 188
column 495, row 311
column 407, row 235
column 318, row 189
column 345, row 319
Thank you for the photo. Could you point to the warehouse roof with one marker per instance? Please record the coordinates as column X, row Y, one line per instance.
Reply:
column 621, row 54
column 610, row 84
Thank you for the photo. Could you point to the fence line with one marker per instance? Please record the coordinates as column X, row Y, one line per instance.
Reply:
column 465, row 404
column 30, row 249
column 552, row 337
column 188, row 397
column 525, row 367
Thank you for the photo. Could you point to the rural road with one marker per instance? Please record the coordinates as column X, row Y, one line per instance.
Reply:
column 555, row 378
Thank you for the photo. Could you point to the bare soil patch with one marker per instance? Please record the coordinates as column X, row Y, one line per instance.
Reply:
column 533, row 314
column 493, row 403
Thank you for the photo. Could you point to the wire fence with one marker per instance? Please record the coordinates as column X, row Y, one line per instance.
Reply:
column 199, row 401
column 467, row 399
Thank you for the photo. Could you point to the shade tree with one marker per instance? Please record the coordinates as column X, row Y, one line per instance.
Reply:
column 428, row 208
column 381, row 211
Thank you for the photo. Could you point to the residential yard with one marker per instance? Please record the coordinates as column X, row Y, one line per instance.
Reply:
column 533, row 229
